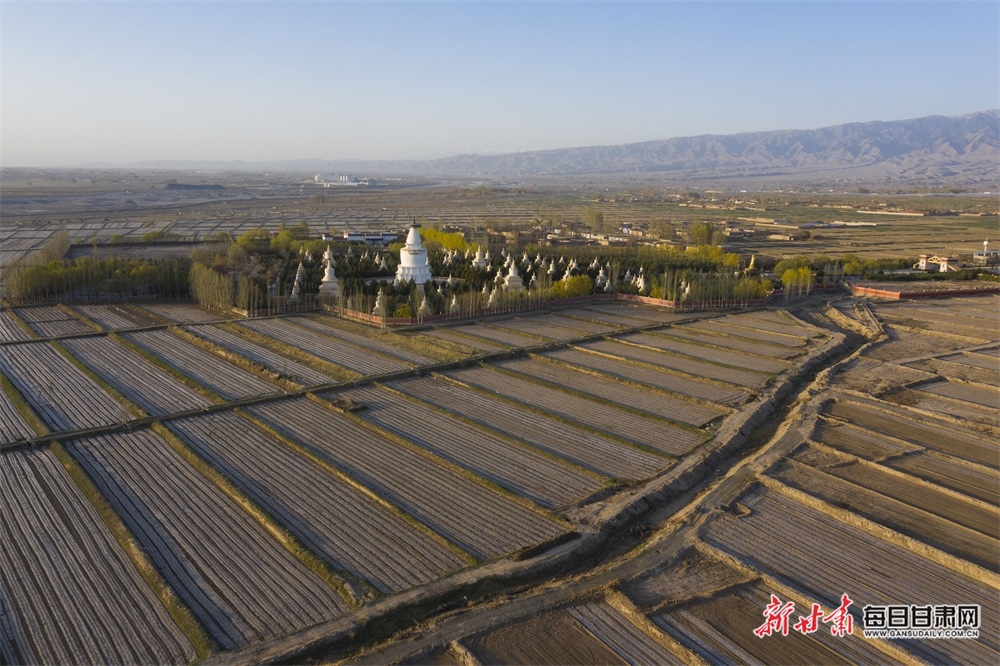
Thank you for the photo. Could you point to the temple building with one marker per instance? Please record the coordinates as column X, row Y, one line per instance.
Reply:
column 413, row 264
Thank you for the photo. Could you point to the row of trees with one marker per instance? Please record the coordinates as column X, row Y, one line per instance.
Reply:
column 95, row 279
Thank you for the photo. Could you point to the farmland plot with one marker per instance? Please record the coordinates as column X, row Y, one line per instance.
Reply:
column 68, row 594
column 664, row 342
column 602, row 455
column 967, row 412
column 899, row 516
column 227, row 380
column 49, row 321
column 581, row 326
column 553, row 638
column 720, row 630
column 63, row 396
column 909, row 345
column 695, row 367
column 491, row 456
column 733, row 325
column 348, row 528
column 182, row 313
column 453, row 334
column 715, row 339
column 774, row 321
column 12, row 425
column 365, row 342
column 648, row 431
column 537, row 327
column 910, row 490
column 643, row 312
column 956, row 367
column 136, row 378
column 626, row 369
column 238, row 581
column 969, row 479
column 646, row 400
column 986, row 396
column 826, row 558
column 623, row 637
column 10, row 331
column 456, row 507
column 502, row 335
column 982, row 358
column 114, row 317
column 269, row 359
column 940, row 328
column 336, row 351
column 610, row 318
column 947, row 438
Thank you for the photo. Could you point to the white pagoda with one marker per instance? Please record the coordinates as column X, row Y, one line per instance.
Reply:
column 330, row 287
column 513, row 281
column 480, row 260
column 413, row 264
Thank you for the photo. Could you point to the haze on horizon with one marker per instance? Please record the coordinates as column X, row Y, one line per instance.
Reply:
column 123, row 82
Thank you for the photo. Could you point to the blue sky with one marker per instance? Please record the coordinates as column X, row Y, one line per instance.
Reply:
column 121, row 82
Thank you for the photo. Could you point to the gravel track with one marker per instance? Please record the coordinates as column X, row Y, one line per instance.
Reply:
column 487, row 454
column 226, row 379
column 648, row 431
column 138, row 380
column 239, row 582
column 335, row 351
column 64, row 397
column 68, row 594
column 464, row 512
column 605, row 456
column 333, row 519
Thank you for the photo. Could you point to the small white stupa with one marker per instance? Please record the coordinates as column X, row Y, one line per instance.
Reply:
column 480, row 260
column 513, row 281
column 379, row 305
column 602, row 278
column 413, row 263
column 330, row 287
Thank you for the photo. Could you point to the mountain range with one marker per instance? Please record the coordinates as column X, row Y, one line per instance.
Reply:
column 958, row 149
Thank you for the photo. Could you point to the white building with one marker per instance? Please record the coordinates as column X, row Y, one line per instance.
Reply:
column 413, row 264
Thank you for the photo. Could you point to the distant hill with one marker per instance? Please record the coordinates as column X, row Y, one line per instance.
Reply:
column 962, row 149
